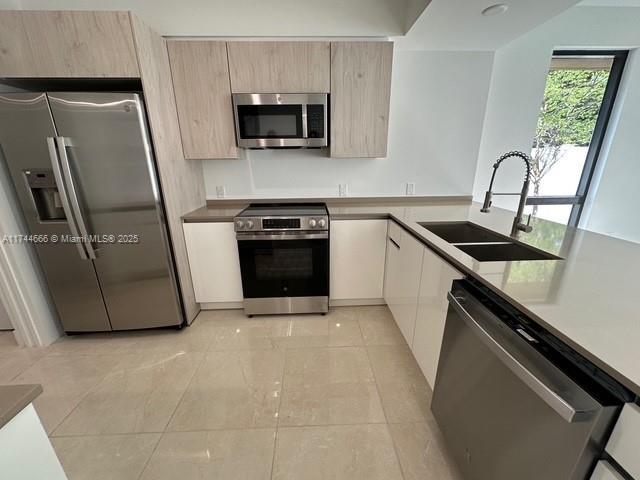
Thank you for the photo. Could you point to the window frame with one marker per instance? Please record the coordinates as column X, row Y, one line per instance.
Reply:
column 599, row 132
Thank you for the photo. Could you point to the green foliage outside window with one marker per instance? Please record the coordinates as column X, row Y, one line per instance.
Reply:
column 568, row 115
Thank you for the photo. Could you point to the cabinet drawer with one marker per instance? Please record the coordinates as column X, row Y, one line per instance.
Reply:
column 624, row 441
column 394, row 232
column 604, row 471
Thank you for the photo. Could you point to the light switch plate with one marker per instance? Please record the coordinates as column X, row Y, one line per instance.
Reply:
column 411, row 188
column 221, row 192
column 343, row 189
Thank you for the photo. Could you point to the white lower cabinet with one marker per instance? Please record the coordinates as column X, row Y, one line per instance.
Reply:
column 214, row 261
column 402, row 281
column 437, row 277
column 624, row 443
column 25, row 450
column 357, row 259
column 604, row 471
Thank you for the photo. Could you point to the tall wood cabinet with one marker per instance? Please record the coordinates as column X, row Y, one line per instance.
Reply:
column 279, row 67
column 67, row 44
column 203, row 96
column 360, row 93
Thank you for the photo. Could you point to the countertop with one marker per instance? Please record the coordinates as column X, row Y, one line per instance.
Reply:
column 13, row 398
column 589, row 299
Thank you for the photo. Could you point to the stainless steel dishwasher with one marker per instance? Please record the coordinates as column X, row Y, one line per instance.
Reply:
column 514, row 402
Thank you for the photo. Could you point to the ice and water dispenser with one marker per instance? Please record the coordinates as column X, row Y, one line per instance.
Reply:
column 44, row 191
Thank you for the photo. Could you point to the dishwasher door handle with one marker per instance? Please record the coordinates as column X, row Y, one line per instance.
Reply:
column 550, row 395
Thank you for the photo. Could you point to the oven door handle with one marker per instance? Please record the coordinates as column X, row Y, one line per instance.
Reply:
column 282, row 236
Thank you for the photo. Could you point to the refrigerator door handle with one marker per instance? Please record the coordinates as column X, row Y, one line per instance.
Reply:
column 73, row 197
column 62, row 190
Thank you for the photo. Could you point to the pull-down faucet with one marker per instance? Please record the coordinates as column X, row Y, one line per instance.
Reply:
column 518, row 225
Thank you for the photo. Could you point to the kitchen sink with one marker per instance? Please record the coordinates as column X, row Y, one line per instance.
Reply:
column 485, row 245
column 504, row 252
column 463, row 232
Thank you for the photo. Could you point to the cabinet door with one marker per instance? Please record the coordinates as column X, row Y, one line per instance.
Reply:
column 402, row 281
column 604, row 471
column 437, row 277
column 214, row 261
column 357, row 259
column 360, row 90
column 279, row 67
column 625, row 439
column 67, row 44
column 203, row 96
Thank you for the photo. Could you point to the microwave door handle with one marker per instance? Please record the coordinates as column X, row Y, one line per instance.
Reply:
column 559, row 403
column 304, row 120
column 64, row 199
column 73, row 196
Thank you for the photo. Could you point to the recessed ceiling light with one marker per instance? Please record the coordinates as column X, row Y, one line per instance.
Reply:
column 497, row 9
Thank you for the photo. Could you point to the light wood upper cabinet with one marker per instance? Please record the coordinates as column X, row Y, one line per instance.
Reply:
column 203, row 96
column 67, row 44
column 360, row 92
column 279, row 67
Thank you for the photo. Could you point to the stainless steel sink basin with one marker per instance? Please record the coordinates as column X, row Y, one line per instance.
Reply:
column 485, row 245
column 463, row 232
column 504, row 252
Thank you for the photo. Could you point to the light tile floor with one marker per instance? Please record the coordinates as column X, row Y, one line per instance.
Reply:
column 280, row 397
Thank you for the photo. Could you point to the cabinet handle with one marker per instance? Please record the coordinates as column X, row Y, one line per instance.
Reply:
column 394, row 242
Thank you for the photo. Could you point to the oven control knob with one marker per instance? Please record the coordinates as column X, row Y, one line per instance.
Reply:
column 312, row 223
column 239, row 224
column 249, row 223
column 322, row 223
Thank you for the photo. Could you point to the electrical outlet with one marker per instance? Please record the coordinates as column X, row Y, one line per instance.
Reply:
column 343, row 189
column 221, row 192
column 411, row 188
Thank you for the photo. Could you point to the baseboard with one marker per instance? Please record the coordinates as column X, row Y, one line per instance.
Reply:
column 348, row 302
column 356, row 302
column 220, row 305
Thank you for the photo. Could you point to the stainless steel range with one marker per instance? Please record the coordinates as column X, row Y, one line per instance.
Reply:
column 284, row 258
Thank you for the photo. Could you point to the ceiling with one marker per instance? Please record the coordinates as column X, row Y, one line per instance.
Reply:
column 428, row 24
column 257, row 18
column 460, row 25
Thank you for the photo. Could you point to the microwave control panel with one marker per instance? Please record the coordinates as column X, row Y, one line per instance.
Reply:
column 315, row 121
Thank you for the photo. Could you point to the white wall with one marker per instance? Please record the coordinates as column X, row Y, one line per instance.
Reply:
column 613, row 207
column 437, row 107
column 517, row 88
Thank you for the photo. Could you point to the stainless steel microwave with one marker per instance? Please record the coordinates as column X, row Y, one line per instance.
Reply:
column 268, row 120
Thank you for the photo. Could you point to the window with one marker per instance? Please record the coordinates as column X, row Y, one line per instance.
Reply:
column 578, row 99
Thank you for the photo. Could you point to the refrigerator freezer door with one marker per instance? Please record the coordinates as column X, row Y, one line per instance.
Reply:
column 25, row 125
column 110, row 161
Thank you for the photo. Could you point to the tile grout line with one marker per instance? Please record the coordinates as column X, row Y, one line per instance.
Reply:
column 146, row 464
column 275, row 439
column 384, row 410
column 86, row 394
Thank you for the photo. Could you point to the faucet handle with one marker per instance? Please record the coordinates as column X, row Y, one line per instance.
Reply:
column 526, row 228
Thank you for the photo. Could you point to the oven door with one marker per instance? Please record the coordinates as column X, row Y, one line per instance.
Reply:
column 284, row 265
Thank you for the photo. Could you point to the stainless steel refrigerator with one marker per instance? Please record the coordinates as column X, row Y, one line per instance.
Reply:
column 83, row 169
